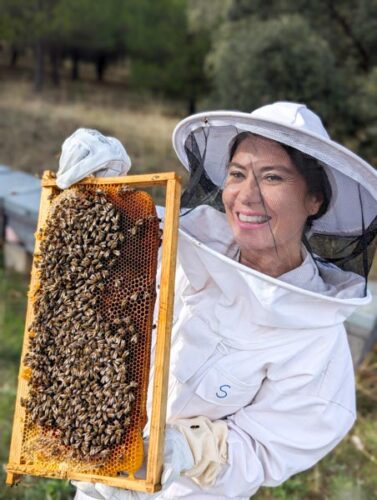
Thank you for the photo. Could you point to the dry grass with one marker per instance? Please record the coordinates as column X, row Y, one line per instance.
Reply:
column 33, row 127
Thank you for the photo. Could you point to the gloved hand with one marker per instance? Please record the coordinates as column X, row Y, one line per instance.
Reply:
column 196, row 447
column 177, row 458
column 88, row 152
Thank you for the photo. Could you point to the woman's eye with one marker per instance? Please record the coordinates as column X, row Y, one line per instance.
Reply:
column 273, row 178
column 236, row 174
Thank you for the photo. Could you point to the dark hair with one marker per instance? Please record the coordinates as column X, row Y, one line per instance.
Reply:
column 308, row 167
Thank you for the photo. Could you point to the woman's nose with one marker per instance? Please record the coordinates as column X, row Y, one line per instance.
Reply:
column 250, row 192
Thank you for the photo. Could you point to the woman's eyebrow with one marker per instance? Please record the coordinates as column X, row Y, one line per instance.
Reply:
column 285, row 168
column 235, row 164
column 265, row 168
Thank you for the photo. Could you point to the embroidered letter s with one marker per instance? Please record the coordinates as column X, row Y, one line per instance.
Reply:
column 223, row 391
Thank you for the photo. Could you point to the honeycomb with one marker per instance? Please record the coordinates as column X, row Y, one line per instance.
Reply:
column 87, row 362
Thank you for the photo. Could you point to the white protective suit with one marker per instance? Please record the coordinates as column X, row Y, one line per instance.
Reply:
column 269, row 357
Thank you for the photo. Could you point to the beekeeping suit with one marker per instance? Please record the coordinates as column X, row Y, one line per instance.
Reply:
column 271, row 364
column 271, row 360
column 261, row 380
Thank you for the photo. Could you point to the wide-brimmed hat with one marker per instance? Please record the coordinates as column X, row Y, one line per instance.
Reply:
column 353, row 180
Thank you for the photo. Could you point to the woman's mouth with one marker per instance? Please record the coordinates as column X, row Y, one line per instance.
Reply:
column 253, row 219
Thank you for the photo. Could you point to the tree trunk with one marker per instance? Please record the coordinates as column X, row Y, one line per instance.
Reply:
column 101, row 65
column 14, row 57
column 38, row 65
column 191, row 105
column 54, row 60
column 75, row 65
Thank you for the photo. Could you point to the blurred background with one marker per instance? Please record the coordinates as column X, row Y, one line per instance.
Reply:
column 132, row 69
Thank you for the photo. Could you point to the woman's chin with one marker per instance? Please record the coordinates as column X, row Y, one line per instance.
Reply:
column 257, row 245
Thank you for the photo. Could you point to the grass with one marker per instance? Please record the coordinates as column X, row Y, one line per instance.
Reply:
column 33, row 127
column 12, row 316
column 348, row 473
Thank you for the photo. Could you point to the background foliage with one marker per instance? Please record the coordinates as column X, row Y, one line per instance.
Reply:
column 223, row 53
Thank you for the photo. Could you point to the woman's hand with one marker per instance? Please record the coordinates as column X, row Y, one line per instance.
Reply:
column 88, row 152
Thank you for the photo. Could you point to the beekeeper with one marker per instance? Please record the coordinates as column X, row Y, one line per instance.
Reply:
column 261, row 379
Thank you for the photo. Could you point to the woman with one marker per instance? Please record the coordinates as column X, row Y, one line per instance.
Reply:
column 261, row 378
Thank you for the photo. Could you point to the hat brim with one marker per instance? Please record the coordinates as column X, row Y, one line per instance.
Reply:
column 353, row 180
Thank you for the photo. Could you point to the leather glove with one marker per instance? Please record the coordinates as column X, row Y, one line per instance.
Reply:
column 177, row 458
column 88, row 152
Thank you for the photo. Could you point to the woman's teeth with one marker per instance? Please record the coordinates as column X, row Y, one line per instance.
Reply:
column 254, row 219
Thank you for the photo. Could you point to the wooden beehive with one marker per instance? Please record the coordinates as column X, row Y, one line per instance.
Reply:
column 135, row 266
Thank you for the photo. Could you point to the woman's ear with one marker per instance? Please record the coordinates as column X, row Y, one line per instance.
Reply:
column 313, row 203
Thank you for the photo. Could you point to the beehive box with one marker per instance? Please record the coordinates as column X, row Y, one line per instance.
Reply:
column 84, row 371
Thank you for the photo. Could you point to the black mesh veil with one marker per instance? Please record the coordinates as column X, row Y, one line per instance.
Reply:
column 351, row 252
column 200, row 189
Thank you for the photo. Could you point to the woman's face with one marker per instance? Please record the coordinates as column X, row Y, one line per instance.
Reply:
column 266, row 199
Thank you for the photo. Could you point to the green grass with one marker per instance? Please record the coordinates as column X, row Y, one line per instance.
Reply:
column 347, row 473
column 13, row 289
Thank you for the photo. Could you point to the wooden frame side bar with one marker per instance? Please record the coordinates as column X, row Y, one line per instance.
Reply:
column 162, row 356
column 22, row 388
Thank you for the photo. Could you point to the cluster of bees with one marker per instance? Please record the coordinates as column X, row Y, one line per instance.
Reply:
column 80, row 388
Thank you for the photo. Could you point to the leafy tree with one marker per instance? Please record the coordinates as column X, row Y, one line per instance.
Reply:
column 256, row 62
column 29, row 23
column 91, row 30
column 166, row 55
column 364, row 107
column 321, row 52
column 207, row 16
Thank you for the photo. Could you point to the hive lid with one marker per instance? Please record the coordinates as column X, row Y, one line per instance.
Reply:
column 17, row 182
column 23, row 203
column 3, row 169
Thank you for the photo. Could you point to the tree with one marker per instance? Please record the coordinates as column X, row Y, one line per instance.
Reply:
column 29, row 23
column 91, row 30
column 255, row 62
column 321, row 52
column 166, row 55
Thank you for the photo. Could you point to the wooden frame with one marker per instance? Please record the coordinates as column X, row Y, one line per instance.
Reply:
column 151, row 483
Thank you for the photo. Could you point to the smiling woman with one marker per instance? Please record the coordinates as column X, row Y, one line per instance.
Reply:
column 261, row 381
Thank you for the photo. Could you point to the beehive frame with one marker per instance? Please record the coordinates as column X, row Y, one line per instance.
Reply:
column 151, row 482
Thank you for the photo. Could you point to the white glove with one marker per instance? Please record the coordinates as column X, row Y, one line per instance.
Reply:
column 208, row 443
column 88, row 152
column 177, row 458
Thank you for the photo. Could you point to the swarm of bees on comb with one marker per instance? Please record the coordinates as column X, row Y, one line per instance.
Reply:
column 80, row 388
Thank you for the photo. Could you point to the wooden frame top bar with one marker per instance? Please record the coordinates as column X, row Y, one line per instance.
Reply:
column 48, row 179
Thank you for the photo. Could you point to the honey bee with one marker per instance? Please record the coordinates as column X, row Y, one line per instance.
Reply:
column 79, row 380
column 126, row 189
